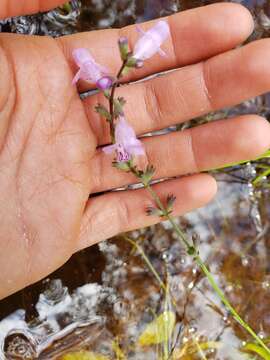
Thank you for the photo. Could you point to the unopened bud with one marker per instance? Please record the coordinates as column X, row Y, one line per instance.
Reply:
column 123, row 47
column 105, row 82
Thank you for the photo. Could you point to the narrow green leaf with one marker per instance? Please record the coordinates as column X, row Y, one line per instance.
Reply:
column 263, row 156
column 118, row 108
column 101, row 110
column 257, row 349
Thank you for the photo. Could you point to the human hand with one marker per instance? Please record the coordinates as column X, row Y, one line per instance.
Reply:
column 49, row 159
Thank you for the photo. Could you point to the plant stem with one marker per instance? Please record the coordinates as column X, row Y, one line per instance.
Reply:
column 161, row 206
column 148, row 262
column 263, row 156
column 111, row 100
column 207, row 273
column 191, row 250
column 259, row 178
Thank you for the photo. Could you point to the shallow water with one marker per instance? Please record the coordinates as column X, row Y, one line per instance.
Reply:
column 102, row 299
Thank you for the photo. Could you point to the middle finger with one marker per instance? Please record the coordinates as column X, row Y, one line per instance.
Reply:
column 208, row 146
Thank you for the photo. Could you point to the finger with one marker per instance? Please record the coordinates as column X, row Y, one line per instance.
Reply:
column 200, row 148
column 113, row 213
column 10, row 8
column 224, row 80
column 195, row 35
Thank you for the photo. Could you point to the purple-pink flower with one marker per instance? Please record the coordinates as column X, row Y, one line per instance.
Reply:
column 126, row 143
column 151, row 40
column 90, row 70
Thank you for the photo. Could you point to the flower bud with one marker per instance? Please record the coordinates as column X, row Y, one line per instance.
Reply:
column 104, row 83
column 123, row 47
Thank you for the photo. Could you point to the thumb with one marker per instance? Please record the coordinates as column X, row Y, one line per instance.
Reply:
column 10, row 8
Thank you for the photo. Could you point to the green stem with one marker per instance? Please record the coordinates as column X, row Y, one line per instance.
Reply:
column 191, row 250
column 206, row 272
column 263, row 156
column 226, row 302
column 169, row 217
column 259, row 178
column 148, row 262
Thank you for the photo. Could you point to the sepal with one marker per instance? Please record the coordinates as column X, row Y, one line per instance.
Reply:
column 122, row 165
column 153, row 211
column 170, row 202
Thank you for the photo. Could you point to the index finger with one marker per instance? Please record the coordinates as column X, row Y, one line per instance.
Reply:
column 10, row 8
column 196, row 34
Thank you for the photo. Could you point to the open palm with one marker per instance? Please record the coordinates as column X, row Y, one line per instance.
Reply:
column 50, row 160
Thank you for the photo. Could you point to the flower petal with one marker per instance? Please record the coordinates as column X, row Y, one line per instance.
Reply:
column 123, row 131
column 150, row 41
column 81, row 56
column 109, row 149
column 89, row 69
column 160, row 32
column 136, row 149
column 76, row 77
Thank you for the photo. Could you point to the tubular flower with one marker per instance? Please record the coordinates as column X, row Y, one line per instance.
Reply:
column 151, row 40
column 126, row 143
column 90, row 70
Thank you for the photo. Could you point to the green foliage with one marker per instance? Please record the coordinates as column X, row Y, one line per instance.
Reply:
column 118, row 106
column 257, row 349
column 102, row 111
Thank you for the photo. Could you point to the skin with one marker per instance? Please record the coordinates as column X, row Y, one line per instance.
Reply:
column 49, row 161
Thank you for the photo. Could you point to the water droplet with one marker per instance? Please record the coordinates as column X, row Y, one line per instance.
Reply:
column 266, row 285
column 226, row 320
column 184, row 340
column 164, row 256
column 245, row 261
column 183, row 260
column 192, row 330
column 261, row 334
column 229, row 288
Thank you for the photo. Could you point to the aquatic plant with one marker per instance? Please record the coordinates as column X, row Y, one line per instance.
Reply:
column 129, row 153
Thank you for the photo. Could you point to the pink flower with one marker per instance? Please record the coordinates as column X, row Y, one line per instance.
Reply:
column 126, row 143
column 90, row 70
column 151, row 40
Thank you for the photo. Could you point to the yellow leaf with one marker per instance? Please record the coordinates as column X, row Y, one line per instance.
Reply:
column 84, row 355
column 118, row 352
column 256, row 349
column 159, row 330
